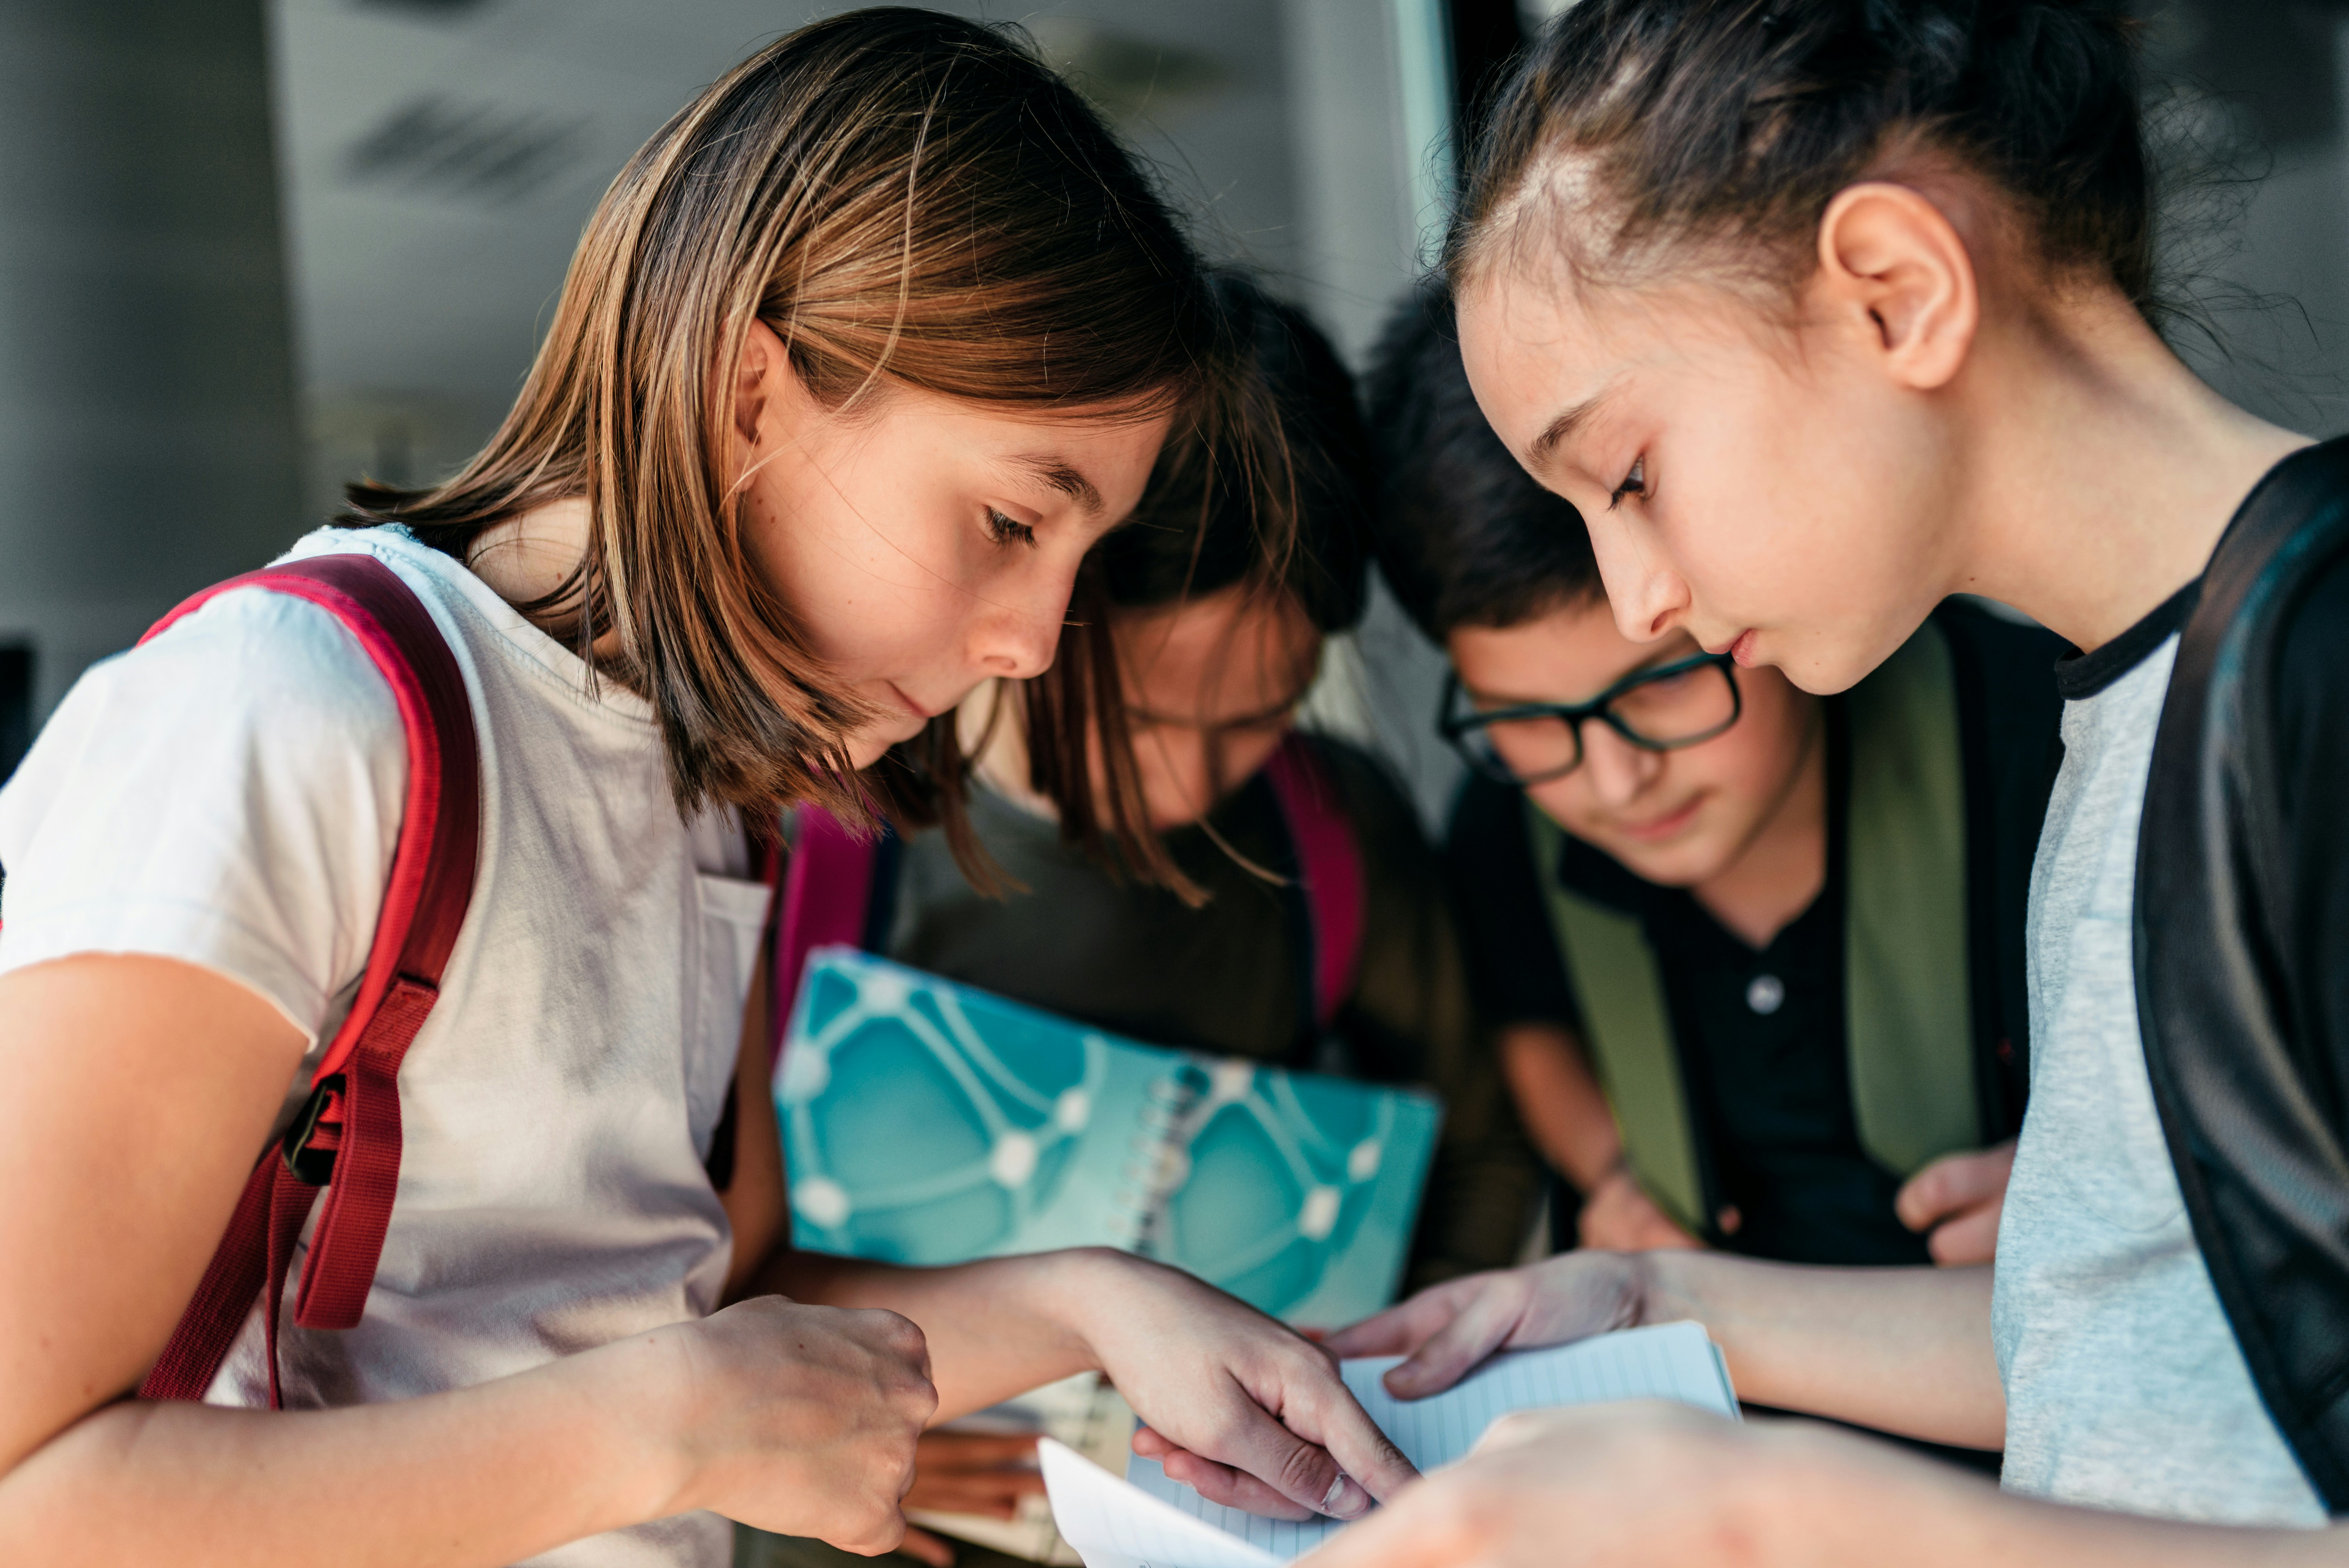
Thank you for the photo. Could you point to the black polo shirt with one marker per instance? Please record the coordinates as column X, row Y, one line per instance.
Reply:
column 1761, row 1033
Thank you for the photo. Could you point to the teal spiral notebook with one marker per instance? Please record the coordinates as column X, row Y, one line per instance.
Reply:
column 925, row 1121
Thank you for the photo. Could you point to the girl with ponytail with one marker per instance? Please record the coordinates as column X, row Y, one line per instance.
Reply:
column 1820, row 311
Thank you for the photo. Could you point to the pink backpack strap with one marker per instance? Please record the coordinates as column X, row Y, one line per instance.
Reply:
column 1328, row 863
column 347, row 1138
column 827, row 891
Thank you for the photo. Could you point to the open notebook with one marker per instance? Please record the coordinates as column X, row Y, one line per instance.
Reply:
column 1149, row 1522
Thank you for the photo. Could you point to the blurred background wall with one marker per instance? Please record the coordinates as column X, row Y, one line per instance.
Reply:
column 251, row 249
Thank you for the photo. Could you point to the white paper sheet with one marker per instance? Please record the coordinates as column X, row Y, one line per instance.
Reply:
column 1151, row 1521
column 1114, row 1524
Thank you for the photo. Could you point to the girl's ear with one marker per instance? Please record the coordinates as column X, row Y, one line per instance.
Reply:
column 756, row 381
column 1892, row 265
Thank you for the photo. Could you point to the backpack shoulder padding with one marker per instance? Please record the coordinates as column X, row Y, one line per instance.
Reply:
column 347, row 1138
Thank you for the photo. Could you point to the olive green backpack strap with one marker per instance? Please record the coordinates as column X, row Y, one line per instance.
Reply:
column 1627, row 1030
column 1910, row 1017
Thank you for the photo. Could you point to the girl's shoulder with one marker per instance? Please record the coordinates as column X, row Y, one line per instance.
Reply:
column 225, row 794
column 250, row 659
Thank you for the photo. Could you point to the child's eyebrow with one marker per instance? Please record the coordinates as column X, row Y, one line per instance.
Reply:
column 1562, row 428
column 1059, row 474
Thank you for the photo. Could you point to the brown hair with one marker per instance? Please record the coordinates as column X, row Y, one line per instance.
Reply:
column 1269, row 488
column 1730, row 124
column 903, row 197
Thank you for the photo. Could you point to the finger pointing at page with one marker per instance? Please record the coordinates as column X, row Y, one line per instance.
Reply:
column 1239, row 1407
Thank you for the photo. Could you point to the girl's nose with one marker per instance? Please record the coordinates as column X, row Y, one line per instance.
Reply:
column 1649, row 597
column 1017, row 639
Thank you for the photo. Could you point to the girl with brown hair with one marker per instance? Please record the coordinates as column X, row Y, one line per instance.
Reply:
column 857, row 359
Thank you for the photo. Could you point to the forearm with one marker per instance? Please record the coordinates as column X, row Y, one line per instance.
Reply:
column 1558, row 1099
column 1881, row 1505
column 482, row 1475
column 997, row 1327
column 1901, row 1350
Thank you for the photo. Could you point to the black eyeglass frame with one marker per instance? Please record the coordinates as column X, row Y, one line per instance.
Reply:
column 1455, row 728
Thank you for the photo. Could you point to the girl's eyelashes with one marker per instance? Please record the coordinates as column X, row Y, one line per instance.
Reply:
column 1009, row 530
column 1634, row 484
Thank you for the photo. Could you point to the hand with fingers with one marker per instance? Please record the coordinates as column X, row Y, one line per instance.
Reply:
column 1233, row 1404
column 795, row 1418
column 1607, row 1486
column 1446, row 1330
column 1955, row 1202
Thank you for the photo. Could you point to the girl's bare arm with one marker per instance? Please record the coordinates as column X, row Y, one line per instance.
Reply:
column 1560, row 1101
column 1189, row 1357
column 139, row 1090
column 1611, row 1486
column 1903, row 1350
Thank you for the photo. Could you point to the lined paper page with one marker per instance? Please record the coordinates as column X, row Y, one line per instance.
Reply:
column 1113, row 1525
column 1672, row 1361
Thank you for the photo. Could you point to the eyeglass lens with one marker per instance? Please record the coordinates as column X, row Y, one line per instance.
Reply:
column 1671, row 711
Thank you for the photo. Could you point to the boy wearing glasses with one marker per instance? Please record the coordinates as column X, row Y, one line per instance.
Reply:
column 1753, row 959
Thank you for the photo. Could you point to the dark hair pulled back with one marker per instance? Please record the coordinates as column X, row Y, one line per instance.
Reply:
column 1733, row 123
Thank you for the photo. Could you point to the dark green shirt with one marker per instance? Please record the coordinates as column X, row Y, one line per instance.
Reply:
column 1229, row 977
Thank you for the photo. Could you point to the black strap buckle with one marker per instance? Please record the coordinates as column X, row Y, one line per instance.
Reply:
column 315, row 1167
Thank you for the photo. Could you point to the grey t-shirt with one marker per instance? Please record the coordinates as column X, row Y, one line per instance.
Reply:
column 2125, row 1387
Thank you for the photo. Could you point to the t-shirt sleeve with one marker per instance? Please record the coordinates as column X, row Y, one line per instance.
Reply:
column 1513, row 967
column 227, row 795
column 2312, row 751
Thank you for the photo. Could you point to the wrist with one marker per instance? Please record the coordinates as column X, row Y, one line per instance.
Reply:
column 634, row 1400
column 1663, row 1288
column 1818, row 1497
column 1781, row 1496
column 1595, row 1176
column 1078, row 1289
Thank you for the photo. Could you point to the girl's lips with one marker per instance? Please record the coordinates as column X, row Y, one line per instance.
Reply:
column 1739, row 649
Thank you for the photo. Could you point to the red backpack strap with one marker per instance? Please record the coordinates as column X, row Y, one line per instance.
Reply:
column 827, row 892
column 1330, row 864
column 346, row 1137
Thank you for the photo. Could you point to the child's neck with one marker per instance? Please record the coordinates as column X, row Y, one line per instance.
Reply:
column 988, row 725
column 2108, row 469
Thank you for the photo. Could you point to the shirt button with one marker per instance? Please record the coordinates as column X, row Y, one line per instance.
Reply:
column 1766, row 993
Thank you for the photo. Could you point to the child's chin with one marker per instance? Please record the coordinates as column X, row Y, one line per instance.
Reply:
column 1683, row 864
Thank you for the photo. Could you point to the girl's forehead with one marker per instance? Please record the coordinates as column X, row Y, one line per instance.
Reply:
column 1548, row 357
column 1534, row 353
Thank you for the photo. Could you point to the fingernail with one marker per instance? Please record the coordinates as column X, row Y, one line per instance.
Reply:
column 1344, row 1499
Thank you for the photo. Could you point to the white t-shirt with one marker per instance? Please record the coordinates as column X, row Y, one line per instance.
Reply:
column 2125, row 1386
column 229, row 795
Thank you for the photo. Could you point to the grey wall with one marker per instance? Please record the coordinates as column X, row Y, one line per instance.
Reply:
column 441, row 159
column 1372, row 174
column 2249, row 122
column 147, row 441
